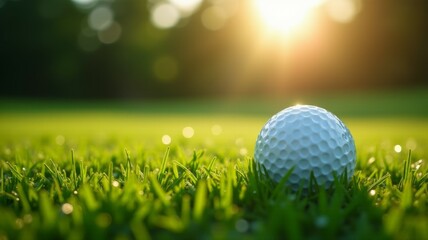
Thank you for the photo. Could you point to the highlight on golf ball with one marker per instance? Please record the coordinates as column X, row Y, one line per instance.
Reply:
column 305, row 139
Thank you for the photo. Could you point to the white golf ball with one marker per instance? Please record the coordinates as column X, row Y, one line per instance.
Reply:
column 305, row 139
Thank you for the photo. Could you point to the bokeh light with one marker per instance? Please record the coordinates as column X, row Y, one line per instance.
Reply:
column 230, row 7
column 194, row 48
column 242, row 225
column 166, row 139
column 84, row 3
column 188, row 132
column 165, row 16
column 100, row 18
column 216, row 129
column 343, row 11
column 243, row 151
column 214, row 18
column 60, row 140
column 186, row 7
column 397, row 148
column 110, row 34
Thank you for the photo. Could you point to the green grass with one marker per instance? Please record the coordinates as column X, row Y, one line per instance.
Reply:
column 99, row 174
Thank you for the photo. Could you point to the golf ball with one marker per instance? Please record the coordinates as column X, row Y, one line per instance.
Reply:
column 304, row 139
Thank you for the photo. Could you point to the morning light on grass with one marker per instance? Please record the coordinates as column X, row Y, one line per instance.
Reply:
column 213, row 119
column 141, row 175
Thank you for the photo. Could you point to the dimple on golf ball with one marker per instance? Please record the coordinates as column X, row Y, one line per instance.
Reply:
column 305, row 139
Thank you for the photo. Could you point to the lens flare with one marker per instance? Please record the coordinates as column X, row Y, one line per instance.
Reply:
column 285, row 16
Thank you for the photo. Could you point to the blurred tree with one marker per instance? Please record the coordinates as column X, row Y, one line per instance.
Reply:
column 116, row 49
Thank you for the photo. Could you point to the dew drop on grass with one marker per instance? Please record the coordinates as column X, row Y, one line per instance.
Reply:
column 372, row 192
column 371, row 160
column 115, row 183
column 67, row 208
column 417, row 164
column 75, row 192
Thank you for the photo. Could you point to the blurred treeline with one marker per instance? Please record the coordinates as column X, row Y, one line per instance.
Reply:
column 49, row 50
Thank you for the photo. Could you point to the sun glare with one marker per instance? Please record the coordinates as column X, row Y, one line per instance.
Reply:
column 285, row 16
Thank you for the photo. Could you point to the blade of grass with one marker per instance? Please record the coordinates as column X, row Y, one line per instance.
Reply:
column 407, row 172
column 163, row 196
column 407, row 194
column 128, row 165
column 47, row 211
column 380, row 181
column 200, row 200
column 23, row 198
column 2, row 178
column 163, row 165
column 189, row 173
column 15, row 172
column 73, row 171
column 281, row 186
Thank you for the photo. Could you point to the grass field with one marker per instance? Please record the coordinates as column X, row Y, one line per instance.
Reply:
column 96, row 174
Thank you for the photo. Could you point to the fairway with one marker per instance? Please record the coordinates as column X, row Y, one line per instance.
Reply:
column 108, row 174
column 150, row 127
